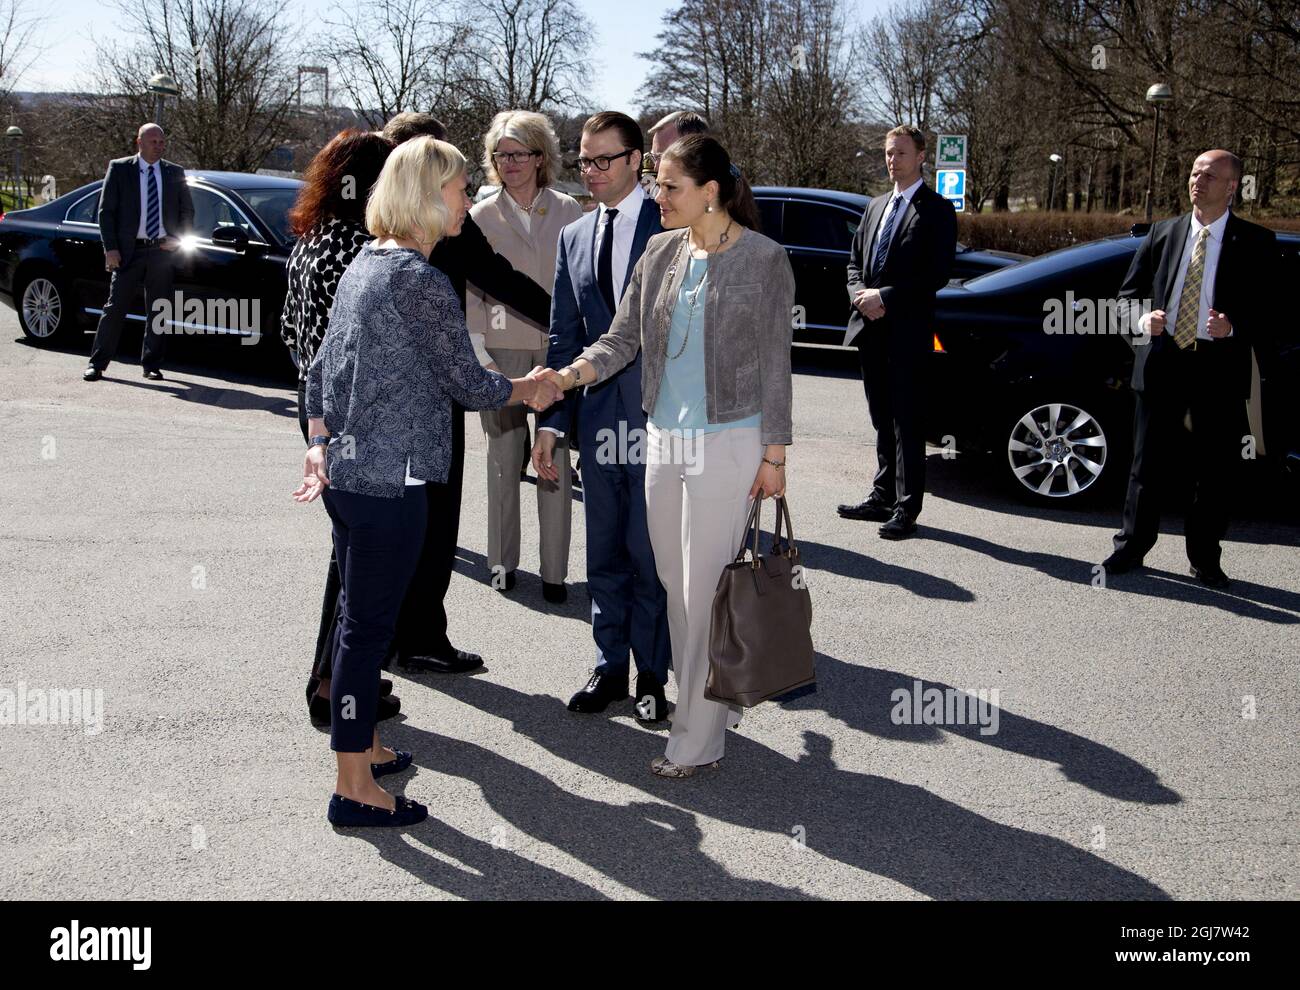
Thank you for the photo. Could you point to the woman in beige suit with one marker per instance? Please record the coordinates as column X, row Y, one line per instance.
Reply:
column 522, row 222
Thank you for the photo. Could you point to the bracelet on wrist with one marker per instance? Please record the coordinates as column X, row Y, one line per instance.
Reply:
column 775, row 464
column 320, row 440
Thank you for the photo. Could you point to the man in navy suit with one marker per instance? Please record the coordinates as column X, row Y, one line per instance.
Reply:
column 1209, row 275
column 902, row 255
column 144, row 210
column 593, row 265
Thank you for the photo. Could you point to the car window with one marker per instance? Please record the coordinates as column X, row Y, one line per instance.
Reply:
column 819, row 226
column 85, row 210
column 273, row 205
column 769, row 215
column 212, row 211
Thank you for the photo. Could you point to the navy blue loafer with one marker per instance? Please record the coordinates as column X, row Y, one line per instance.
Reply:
column 348, row 813
column 402, row 761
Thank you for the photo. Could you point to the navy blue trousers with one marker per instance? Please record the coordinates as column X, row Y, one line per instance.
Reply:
column 629, row 608
column 377, row 542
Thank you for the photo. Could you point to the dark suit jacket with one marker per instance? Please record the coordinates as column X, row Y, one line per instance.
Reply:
column 120, row 206
column 469, row 257
column 1243, row 285
column 580, row 316
column 918, row 265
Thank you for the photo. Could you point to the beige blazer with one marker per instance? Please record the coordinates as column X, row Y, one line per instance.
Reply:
column 529, row 251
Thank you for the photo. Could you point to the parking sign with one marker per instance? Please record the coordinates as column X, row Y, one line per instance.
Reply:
column 951, row 185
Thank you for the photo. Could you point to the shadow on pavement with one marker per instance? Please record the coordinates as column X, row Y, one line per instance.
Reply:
column 860, row 697
column 1244, row 598
column 528, row 589
column 872, row 823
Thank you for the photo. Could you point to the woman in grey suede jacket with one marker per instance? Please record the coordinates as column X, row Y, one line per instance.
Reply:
column 709, row 304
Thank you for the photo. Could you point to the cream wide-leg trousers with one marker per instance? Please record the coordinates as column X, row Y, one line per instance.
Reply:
column 697, row 502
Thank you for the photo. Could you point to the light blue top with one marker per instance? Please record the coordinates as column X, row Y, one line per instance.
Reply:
column 681, row 404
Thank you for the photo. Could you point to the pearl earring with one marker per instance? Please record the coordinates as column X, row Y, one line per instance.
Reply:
column 708, row 207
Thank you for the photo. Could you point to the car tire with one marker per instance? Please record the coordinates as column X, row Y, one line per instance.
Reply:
column 1060, row 452
column 45, row 308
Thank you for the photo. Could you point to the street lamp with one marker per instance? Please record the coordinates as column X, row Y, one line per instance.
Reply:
column 162, row 86
column 15, row 134
column 1157, row 95
column 1056, row 160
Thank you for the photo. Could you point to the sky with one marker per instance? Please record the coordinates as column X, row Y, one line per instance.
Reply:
column 621, row 29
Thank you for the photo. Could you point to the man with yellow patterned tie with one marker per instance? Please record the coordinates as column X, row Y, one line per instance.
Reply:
column 1208, row 275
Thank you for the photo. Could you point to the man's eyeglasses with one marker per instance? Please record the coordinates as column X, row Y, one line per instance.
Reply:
column 514, row 157
column 602, row 162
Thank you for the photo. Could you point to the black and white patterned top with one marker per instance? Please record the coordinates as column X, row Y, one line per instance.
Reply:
column 316, row 264
column 396, row 356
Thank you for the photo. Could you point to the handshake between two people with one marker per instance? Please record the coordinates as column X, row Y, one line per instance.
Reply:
column 539, row 389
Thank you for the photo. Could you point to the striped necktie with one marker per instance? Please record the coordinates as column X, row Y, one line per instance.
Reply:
column 886, row 235
column 1189, row 300
column 153, row 213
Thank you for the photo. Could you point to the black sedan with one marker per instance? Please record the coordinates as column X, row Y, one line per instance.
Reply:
column 1027, row 367
column 816, row 227
column 52, row 258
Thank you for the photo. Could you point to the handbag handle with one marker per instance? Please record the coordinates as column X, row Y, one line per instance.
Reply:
column 750, row 542
column 783, row 511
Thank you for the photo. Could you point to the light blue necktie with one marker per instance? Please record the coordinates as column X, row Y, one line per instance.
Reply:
column 153, row 215
column 882, row 246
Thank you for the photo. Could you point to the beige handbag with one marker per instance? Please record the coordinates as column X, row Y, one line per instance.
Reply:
column 760, row 640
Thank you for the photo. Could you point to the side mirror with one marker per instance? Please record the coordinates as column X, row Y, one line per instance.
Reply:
column 229, row 235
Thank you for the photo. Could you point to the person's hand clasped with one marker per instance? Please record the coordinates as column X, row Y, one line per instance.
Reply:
column 112, row 260
column 769, row 481
column 1217, row 326
column 546, row 391
column 314, row 480
column 869, row 303
column 1156, row 321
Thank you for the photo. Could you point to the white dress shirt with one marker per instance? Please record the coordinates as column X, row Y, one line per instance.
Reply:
column 1213, row 246
column 629, row 214
column 906, row 196
column 144, row 197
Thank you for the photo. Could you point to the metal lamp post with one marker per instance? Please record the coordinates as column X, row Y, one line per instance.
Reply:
column 15, row 135
column 1056, row 160
column 162, row 86
column 1157, row 95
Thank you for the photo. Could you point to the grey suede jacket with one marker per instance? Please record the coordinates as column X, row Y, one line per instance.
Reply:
column 747, row 322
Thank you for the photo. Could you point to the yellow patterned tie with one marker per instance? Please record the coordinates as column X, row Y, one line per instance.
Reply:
column 1189, row 302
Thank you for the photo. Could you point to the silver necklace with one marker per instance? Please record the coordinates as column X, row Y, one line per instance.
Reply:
column 694, row 297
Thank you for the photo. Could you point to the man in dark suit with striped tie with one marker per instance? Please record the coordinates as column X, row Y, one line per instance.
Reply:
column 1208, row 275
column 144, row 210
column 901, row 256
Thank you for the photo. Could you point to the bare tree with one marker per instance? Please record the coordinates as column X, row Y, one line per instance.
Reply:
column 18, row 44
column 527, row 54
column 234, row 61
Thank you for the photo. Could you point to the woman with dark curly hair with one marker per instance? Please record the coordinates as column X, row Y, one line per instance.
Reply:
column 329, row 219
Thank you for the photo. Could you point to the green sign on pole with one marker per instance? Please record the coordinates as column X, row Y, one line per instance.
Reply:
column 951, row 152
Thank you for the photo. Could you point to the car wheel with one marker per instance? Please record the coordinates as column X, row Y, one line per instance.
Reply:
column 44, row 309
column 1063, row 451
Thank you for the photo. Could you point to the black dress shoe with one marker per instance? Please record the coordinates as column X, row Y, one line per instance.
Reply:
column 319, row 709
column 153, row 374
column 1121, row 562
column 600, row 692
column 1212, row 576
column 91, row 375
column 556, row 594
column 385, row 687
column 872, row 509
column 503, row 586
column 899, row 527
column 455, row 662
column 651, row 705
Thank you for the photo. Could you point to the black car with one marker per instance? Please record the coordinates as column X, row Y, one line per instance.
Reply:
column 816, row 226
column 1054, row 407
column 52, row 259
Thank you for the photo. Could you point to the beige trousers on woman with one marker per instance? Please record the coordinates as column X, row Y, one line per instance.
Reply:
column 697, row 501
column 508, row 445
